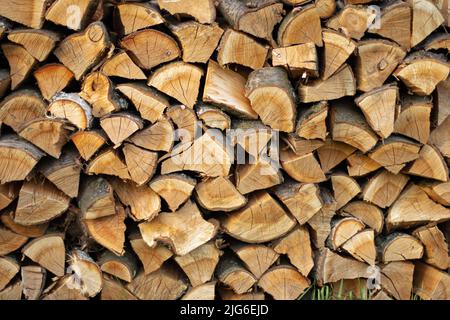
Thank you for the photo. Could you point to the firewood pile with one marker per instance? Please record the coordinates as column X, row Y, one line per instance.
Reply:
column 228, row 149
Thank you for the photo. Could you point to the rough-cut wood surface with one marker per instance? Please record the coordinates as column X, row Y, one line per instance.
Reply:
column 224, row 149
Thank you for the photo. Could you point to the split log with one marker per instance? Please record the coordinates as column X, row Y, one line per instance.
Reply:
column 369, row 214
column 73, row 108
column 62, row 290
column 10, row 241
column 19, row 158
column 257, row 258
column 20, row 63
column 320, row 223
column 431, row 283
column 73, row 14
column 109, row 231
column 122, row 267
column 175, row 189
column 360, row 164
column 238, row 48
column 97, row 89
column 38, row 43
column 275, row 104
column 120, row 126
column 442, row 102
column 379, row 107
column 342, row 230
column 325, row 8
column 341, row 83
column 81, row 51
column 148, row 102
column 252, row 136
column 384, row 188
column 203, row 292
column 301, row 25
column 397, row 279
column 302, row 146
column 88, row 142
column 394, row 153
column 8, row 193
column 186, row 76
column 163, row 48
column 312, row 122
column 163, row 284
column 352, row 20
column 332, row 267
column 251, row 224
column 399, row 247
column 302, row 200
column 435, row 246
column 213, row 117
column 33, row 281
column 21, row 107
column 234, row 276
column 297, row 246
column 12, row 292
column 96, row 198
column 186, row 121
column 283, row 283
column 258, row 20
column 219, row 194
column 413, row 208
column 430, row 164
column 175, row 229
column 203, row 11
column 439, row 137
column 108, row 162
column 29, row 12
column 64, row 172
column 200, row 263
column 49, row 252
column 376, row 60
column 395, row 23
column 9, row 268
column 362, row 246
column 39, row 202
column 50, row 135
column 52, row 78
column 228, row 294
column 261, row 174
column 144, row 203
column 208, row 155
column 298, row 59
column 151, row 258
column 226, row 89
column 437, row 191
column 198, row 41
column 421, row 72
column 349, row 126
column 121, row 65
column 425, row 19
column 86, row 274
column 345, row 188
column 337, row 49
column 303, row 168
column 141, row 163
column 34, row 231
column 332, row 153
column 158, row 137
column 134, row 16
column 438, row 41
column 114, row 290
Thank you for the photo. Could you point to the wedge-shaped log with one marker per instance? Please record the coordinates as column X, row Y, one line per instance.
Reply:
column 362, row 246
column 38, row 43
column 203, row 11
column 283, row 282
column 149, row 48
column 73, row 14
column 431, row 283
column 226, row 89
column 337, row 49
column 297, row 59
column 371, row 215
column 88, row 142
column 173, row 229
column 186, row 76
column 134, row 16
column 261, row 174
column 256, row 257
column 29, row 12
column 219, row 194
column 141, row 163
column 96, row 198
column 20, row 63
column 384, row 188
column 108, row 162
column 251, row 224
column 151, row 258
column 399, row 247
column 303, row 168
column 158, row 137
column 120, row 126
column 435, row 246
column 121, row 65
column 332, row 153
column 49, row 252
column 81, row 51
column 430, row 164
column 425, row 19
column 52, row 78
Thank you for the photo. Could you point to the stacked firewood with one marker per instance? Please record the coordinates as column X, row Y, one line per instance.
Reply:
column 228, row 149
